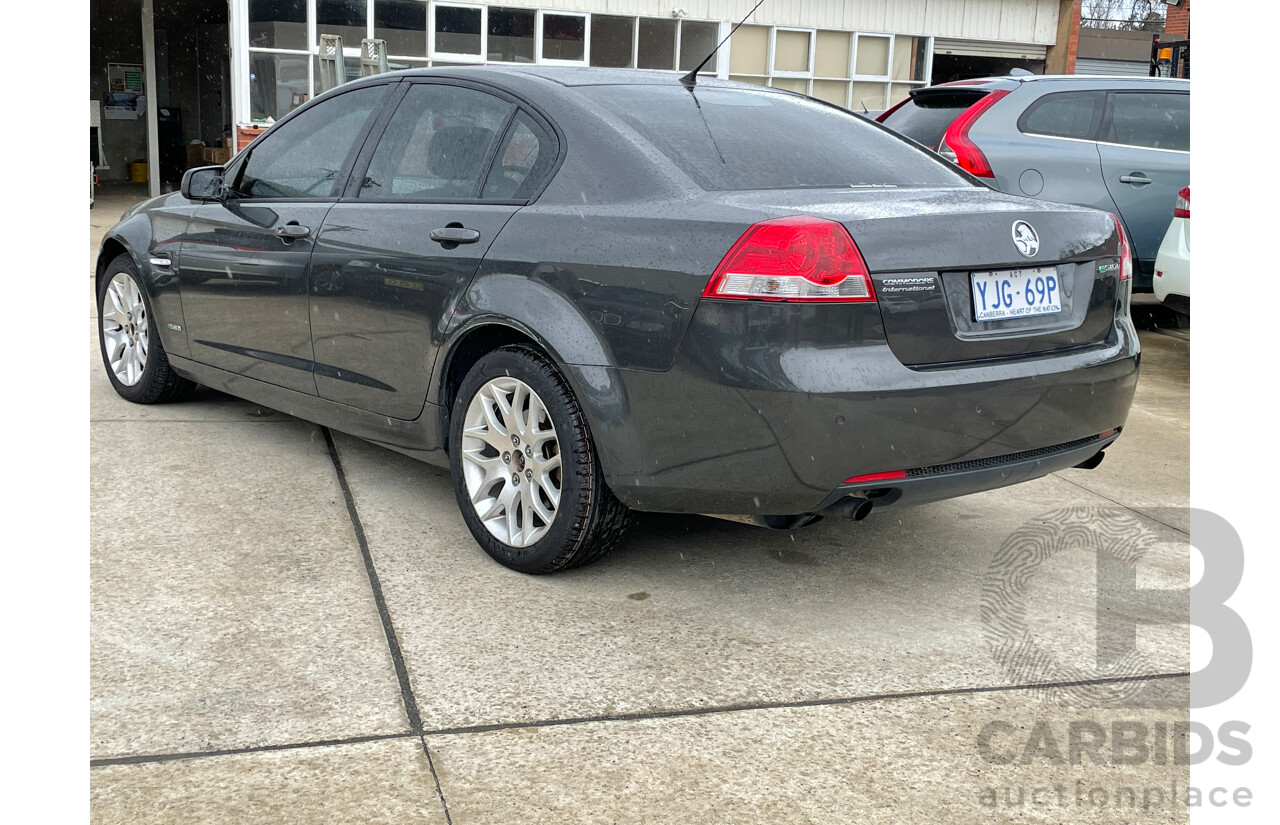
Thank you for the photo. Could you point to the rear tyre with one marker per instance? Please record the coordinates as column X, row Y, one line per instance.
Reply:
column 525, row 470
column 131, row 350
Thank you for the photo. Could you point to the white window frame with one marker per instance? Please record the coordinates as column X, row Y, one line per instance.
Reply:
column 499, row 5
column 586, row 34
column 390, row 56
column 452, row 57
column 720, row 33
column 886, row 79
column 773, row 45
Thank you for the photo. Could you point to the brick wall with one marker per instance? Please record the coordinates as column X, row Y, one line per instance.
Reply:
column 1177, row 23
column 1060, row 58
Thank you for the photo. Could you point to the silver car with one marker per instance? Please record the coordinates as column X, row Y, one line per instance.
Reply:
column 1122, row 144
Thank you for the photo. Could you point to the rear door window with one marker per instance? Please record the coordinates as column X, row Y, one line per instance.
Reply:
column 1152, row 120
column 1064, row 114
column 522, row 161
column 437, row 145
column 925, row 117
column 735, row 139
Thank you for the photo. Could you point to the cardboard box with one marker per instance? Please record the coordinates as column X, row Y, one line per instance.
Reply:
column 216, row 156
column 195, row 155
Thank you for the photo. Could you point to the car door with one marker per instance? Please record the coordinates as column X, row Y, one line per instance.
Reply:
column 451, row 166
column 245, row 259
column 1145, row 146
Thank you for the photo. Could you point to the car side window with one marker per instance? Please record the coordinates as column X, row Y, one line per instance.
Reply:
column 522, row 162
column 1153, row 120
column 437, row 145
column 304, row 157
column 1063, row 114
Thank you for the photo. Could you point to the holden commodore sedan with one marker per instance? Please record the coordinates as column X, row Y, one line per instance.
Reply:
column 588, row 292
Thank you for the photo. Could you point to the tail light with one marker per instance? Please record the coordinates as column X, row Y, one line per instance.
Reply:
column 1125, row 252
column 799, row 258
column 956, row 145
column 883, row 116
column 1182, row 208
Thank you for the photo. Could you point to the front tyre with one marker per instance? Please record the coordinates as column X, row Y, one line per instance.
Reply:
column 131, row 351
column 525, row 470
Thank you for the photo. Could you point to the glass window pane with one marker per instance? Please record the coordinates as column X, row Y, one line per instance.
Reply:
column 1152, row 120
column 1063, row 115
column 733, row 139
column 436, row 145
column 278, row 24
column 511, row 35
column 749, row 50
column 899, row 92
column 657, row 44
column 832, row 91
column 345, row 18
column 697, row 40
column 277, row 84
column 908, row 58
column 831, row 55
column 564, row 37
column 873, row 56
column 303, row 158
column 521, row 163
column 457, row 30
column 403, row 24
column 791, row 51
column 611, row 41
column 869, row 96
column 791, row 84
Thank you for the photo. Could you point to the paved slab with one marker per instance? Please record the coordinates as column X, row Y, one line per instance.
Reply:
column 694, row 612
column 229, row 604
column 373, row 782
column 900, row 761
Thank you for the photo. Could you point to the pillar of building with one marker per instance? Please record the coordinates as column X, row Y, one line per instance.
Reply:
column 1060, row 58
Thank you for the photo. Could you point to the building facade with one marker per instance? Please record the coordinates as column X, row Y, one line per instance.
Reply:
column 861, row 54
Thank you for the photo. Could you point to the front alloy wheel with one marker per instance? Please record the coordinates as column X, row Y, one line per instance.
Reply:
column 136, row 363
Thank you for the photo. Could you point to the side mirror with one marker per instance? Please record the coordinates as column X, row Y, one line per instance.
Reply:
column 202, row 184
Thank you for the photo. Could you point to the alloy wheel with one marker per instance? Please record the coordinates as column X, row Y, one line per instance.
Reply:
column 126, row 330
column 511, row 461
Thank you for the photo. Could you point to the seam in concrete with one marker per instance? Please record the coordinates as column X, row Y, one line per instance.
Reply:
column 643, row 715
column 1147, row 516
column 288, row 746
column 807, row 703
column 388, row 629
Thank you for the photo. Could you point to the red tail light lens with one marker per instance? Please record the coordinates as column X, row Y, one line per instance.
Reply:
column 956, row 145
column 1125, row 252
column 1182, row 208
column 799, row 258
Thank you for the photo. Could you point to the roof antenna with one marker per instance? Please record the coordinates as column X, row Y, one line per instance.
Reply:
column 691, row 78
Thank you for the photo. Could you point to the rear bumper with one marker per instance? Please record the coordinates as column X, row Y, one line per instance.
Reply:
column 1173, row 263
column 930, row 484
column 750, row 421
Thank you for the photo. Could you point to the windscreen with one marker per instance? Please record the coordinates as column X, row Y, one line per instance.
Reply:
column 733, row 139
column 925, row 118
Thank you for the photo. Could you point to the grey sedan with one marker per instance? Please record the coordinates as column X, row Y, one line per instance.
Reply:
column 588, row 292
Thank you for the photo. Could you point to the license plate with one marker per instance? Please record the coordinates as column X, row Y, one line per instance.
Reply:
column 1014, row 293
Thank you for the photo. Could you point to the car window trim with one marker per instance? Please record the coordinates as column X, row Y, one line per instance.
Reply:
column 1105, row 126
column 351, row 194
column 1095, row 124
column 348, row 164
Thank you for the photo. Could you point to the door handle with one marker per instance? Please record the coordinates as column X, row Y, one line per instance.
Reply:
column 292, row 231
column 1137, row 179
column 454, row 235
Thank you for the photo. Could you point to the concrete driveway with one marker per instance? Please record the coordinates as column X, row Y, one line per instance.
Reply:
column 290, row 625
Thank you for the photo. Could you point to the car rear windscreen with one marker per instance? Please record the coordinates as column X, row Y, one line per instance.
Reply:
column 733, row 139
column 925, row 117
